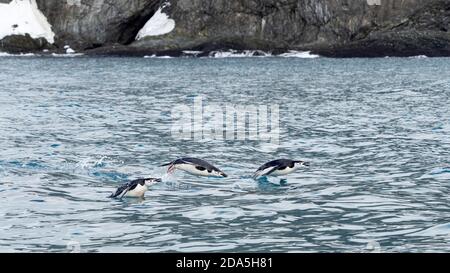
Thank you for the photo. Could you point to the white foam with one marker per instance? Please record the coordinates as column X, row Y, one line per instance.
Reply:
column 259, row 53
column 239, row 54
column 21, row 17
column 159, row 24
column 4, row 54
column 69, row 55
column 299, row 54
column 438, row 230
column 419, row 57
column 157, row 57
column 192, row 52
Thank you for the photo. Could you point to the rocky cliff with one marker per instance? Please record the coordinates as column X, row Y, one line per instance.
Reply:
column 339, row 28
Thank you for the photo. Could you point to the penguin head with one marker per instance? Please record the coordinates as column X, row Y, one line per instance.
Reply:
column 152, row 181
column 218, row 173
column 300, row 163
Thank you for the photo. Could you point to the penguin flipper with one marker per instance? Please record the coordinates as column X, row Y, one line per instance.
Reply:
column 124, row 192
column 171, row 166
column 121, row 191
column 264, row 172
column 167, row 164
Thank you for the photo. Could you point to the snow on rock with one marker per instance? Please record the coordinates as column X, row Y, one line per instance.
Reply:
column 159, row 24
column 23, row 16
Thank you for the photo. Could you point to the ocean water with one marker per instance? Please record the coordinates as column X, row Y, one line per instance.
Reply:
column 375, row 131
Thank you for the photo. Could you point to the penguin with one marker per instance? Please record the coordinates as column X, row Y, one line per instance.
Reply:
column 279, row 167
column 135, row 188
column 194, row 166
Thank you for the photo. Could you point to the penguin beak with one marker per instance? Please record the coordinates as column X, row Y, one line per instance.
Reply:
column 305, row 164
column 223, row 174
column 152, row 181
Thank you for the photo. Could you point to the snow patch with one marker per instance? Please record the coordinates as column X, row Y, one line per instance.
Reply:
column 159, row 24
column 20, row 17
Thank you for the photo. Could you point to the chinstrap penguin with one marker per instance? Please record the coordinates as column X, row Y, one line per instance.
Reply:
column 194, row 166
column 135, row 188
column 279, row 167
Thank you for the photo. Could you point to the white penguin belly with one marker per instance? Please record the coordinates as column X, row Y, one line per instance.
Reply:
column 283, row 172
column 192, row 170
column 139, row 191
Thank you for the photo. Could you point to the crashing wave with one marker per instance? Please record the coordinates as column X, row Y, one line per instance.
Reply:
column 260, row 53
column 67, row 55
column 158, row 57
column 239, row 54
column 299, row 54
column 419, row 57
column 5, row 54
column 191, row 53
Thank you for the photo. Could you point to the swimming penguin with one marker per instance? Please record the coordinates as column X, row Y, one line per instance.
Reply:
column 279, row 167
column 135, row 188
column 194, row 166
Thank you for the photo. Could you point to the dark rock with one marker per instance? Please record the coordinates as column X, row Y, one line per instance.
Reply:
column 422, row 33
column 337, row 28
column 275, row 24
column 87, row 24
column 23, row 44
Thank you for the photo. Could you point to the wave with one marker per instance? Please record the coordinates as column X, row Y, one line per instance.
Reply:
column 190, row 53
column 438, row 171
column 299, row 54
column 5, row 54
column 260, row 53
column 66, row 55
column 157, row 57
column 419, row 57
column 438, row 230
column 239, row 54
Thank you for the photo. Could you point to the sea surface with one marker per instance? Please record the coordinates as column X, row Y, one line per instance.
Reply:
column 375, row 131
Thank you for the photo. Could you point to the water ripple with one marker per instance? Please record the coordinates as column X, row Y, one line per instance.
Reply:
column 375, row 132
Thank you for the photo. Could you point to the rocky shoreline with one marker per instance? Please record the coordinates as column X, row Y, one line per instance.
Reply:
column 329, row 28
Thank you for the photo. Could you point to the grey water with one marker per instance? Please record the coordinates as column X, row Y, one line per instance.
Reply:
column 376, row 132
